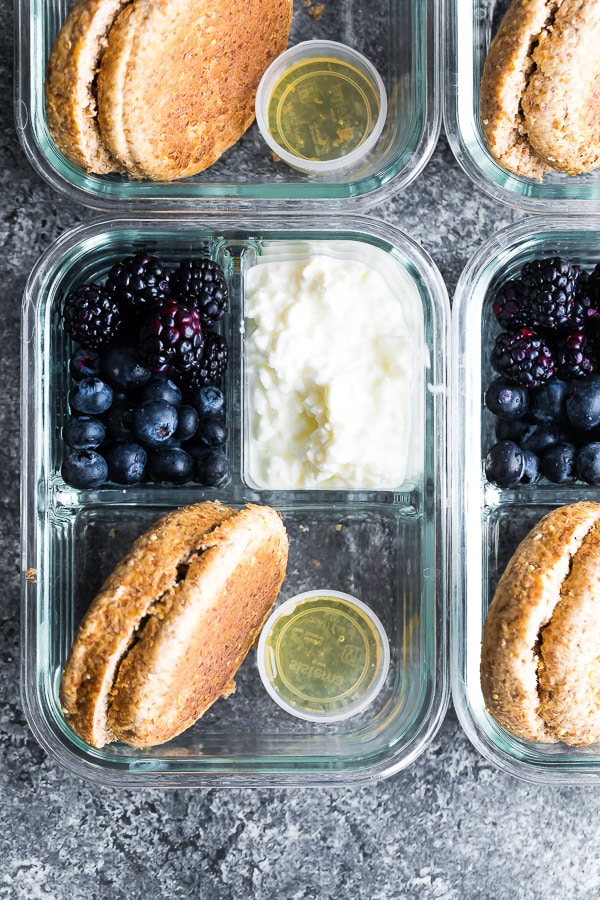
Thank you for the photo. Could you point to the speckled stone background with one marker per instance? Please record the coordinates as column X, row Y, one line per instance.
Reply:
column 451, row 826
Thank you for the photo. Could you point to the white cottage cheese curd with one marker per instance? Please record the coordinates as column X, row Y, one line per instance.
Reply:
column 331, row 371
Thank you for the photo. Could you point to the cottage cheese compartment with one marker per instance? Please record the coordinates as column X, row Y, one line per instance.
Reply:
column 335, row 364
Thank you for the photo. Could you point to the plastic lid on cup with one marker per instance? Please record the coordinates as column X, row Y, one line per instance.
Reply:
column 323, row 656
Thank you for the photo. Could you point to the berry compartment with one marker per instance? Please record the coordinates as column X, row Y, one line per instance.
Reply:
column 489, row 520
column 385, row 547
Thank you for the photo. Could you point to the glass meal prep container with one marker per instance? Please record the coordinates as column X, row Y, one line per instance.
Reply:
column 386, row 548
column 489, row 521
column 401, row 39
column 470, row 29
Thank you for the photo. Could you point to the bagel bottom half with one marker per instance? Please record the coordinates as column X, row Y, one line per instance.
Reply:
column 540, row 675
column 172, row 624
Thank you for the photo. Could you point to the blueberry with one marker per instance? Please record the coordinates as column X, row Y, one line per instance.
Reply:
column 509, row 401
column 159, row 387
column 208, row 400
column 531, row 467
column 171, row 465
column 211, row 431
column 126, row 462
column 558, row 463
column 154, row 422
column 504, row 463
column 187, row 422
column 583, row 404
column 122, row 367
column 544, row 436
column 83, row 432
column 84, row 469
column 212, row 468
column 196, row 450
column 516, row 430
column 84, row 363
column 588, row 463
column 548, row 402
column 119, row 418
column 91, row 396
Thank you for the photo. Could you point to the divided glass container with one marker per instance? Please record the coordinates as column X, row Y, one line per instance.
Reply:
column 388, row 548
column 402, row 41
column 470, row 27
column 488, row 521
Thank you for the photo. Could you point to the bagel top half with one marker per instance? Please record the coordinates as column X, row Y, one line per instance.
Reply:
column 178, row 81
column 172, row 624
column 527, row 654
column 540, row 88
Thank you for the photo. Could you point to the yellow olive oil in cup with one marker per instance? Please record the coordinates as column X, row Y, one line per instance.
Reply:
column 323, row 656
column 321, row 106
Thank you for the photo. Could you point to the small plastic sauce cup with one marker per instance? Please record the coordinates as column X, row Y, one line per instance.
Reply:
column 323, row 656
column 321, row 106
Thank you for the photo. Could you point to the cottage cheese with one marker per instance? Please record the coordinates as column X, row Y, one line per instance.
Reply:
column 333, row 373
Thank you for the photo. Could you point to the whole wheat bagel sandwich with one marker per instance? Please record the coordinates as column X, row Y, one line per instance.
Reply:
column 540, row 674
column 159, row 88
column 540, row 87
column 172, row 623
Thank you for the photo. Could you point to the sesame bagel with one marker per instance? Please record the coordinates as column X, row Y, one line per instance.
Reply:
column 164, row 637
column 524, row 649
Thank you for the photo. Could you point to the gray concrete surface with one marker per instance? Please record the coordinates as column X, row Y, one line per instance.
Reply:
column 450, row 826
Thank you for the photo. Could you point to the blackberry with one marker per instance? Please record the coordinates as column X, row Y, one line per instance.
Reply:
column 575, row 358
column 91, row 316
column 586, row 309
column 172, row 340
column 548, row 286
column 510, row 306
column 523, row 358
column 138, row 282
column 212, row 365
column 200, row 283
